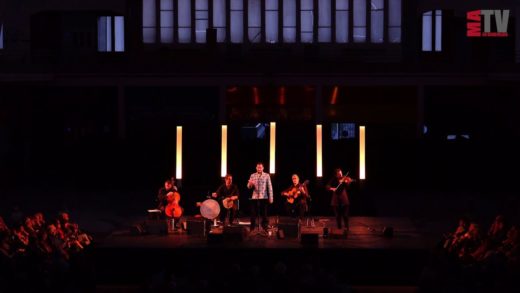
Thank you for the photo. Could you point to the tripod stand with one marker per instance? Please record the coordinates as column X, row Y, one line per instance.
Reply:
column 258, row 230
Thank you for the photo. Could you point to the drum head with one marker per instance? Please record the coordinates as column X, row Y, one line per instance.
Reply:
column 210, row 209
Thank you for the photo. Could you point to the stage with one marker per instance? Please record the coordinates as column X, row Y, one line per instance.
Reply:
column 364, row 256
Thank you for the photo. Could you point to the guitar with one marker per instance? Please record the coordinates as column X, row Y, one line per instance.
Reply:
column 294, row 192
column 229, row 201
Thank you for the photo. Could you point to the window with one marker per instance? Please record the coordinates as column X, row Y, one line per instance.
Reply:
column 271, row 21
column 377, row 20
column 307, row 21
column 289, row 21
column 394, row 21
column 360, row 21
column 254, row 21
column 219, row 19
column 149, row 21
column 237, row 21
column 166, row 21
column 432, row 31
column 343, row 131
column 1, row 36
column 201, row 20
column 324, row 21
column 184, row 21
column 342, row 21
column 257, row 131
column 111, row 34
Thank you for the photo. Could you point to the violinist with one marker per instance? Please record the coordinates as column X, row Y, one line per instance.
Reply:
column 340, row 202
column 297, row 196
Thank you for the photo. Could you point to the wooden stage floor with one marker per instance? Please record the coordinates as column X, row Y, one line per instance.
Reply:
column 365, row 233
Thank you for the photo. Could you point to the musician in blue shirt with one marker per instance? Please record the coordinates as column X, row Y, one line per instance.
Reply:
column 260, row 183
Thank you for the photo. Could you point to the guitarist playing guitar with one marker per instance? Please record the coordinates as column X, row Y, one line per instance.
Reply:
column 227, row 195
column 297, row 196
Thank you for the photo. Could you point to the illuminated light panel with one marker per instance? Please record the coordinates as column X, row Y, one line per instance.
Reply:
column 362, row 157
column 223, row 162
column 319, row 151
column 178, row 169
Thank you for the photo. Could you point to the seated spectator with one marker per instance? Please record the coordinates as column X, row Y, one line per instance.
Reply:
column 497, row 232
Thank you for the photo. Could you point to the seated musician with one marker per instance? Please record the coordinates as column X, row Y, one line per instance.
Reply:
column 297, row 196
column 161, row 195
column 227, row 196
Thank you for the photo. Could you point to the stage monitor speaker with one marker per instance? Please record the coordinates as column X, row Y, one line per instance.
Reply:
column 216, row 238
column 325, row 232
column 309, row 239
column 234, row 233
column 196, row 227
column 290, row 227
column 388, row 232
column 157, row 227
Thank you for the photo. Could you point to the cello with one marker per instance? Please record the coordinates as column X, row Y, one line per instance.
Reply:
column 173, row 209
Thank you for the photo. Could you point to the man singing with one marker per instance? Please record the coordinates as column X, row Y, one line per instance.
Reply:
column 260, row 182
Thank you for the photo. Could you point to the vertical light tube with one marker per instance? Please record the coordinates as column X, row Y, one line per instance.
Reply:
column 362, row 174
column 178, row 169
column 272, row 154
column 223, row 162
column 319, row 151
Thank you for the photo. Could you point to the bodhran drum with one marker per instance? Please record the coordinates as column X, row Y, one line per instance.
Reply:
column 210, row 209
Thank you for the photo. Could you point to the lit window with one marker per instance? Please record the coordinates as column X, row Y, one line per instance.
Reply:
column 184, row 9
column 201, row 20
column 1, row 36
column 432, row 31
column 324, row 21
column 166, row 19
column 307, row 21
column 360, row 21
column 377, row 20
column 289, row 21
column 271, row 21
column 237, row 21
column 219, row 19
column 342, row 21
column 254, row 21
column 343, row 131
column 149, row 21
column 394, row 21
column 111, row 34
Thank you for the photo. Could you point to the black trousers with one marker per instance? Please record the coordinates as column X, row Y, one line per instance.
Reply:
column 298, row 208
column 259, row 207
column 341, row 213
column 227, row 213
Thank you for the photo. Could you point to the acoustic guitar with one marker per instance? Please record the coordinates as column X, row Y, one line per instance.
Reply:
column 295, row 192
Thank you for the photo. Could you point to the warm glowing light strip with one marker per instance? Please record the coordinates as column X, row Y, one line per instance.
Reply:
column 272, row 147
column 319, row 151
column 178, row 169
column 223, row 162
column 362, row 158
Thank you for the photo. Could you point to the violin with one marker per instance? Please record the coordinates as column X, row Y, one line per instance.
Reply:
column 173, row 209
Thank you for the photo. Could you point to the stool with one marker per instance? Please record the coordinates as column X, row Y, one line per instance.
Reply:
column 154, row 214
